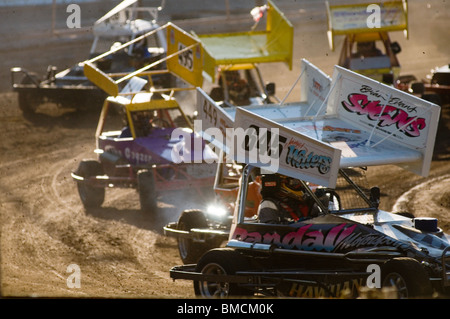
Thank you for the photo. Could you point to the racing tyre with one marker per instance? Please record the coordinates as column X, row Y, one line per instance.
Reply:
column 29, row 102
column 408, row 277
column 221, row 261
column 91, row 197
column 189, row 250
column 146, row 189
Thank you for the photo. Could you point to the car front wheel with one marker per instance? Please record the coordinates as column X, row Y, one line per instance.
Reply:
column 91, row 197
column 220, row 261
column 407, row 276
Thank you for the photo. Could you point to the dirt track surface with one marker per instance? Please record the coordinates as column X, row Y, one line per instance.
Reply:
column 123, row 253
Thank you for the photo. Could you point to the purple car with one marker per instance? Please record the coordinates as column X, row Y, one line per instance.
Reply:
column 139, row 142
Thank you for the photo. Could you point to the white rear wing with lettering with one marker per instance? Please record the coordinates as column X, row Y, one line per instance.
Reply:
column 314, row 90
column 373, row 124
column 247, row 137
column 368, row 122
column 395, row 127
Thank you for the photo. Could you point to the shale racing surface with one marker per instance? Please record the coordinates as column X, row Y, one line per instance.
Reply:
column 122, row 253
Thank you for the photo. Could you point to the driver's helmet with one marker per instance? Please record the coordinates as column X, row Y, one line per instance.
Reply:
column 142, row 122
column 281, row 187
column 232, row 76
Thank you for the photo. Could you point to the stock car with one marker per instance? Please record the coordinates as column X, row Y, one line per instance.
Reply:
column 206, row 227
column 231, row 60
column 350, row 243
column 135, row 138
column 70, row 88
column 144, row 139
column 328, row 255
column 366, row 49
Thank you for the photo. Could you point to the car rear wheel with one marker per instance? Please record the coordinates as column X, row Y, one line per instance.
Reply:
column 189, row 250
column 29, row 102
column 146, row 189
column 220, row 261
column 91, row 197
column 407, row 276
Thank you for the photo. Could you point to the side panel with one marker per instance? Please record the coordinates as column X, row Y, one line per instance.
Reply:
column 100, row 79
column 314, row 88
column 325, row 234
column 280, row 36
column 280, row 149
column 213, row 121
column 386, row 113
column 187, row 64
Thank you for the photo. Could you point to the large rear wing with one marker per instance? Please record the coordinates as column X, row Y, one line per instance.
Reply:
column 353, row 18
column 255, row 136
column 184, row 58
column 275, row 44
column 129, row 10
column 125, row 20
column 190, row 57
column 247, row 137
column 366, row 122
column 383, row 125
column 314, row 90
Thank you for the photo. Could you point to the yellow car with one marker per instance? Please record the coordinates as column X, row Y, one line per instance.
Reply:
column 367, row 49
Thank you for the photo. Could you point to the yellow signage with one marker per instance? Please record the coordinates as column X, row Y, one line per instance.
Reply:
column 184, row 54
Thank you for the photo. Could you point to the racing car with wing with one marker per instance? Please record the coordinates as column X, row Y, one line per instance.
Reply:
column 342, row 244
column 368, row 49
column 233, row 77
column 144, row 140
column 199, row 230
column 70, row 88
column 188, row 58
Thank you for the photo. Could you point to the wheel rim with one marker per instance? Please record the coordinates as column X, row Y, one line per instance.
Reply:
column 398, row 282
column 182, row 243
column 214, row 289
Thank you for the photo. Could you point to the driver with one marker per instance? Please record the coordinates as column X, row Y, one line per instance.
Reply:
column 238, row 88
column 284, row 200
column 142, row 123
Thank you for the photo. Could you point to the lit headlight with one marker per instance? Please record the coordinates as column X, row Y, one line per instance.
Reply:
column 216, row 211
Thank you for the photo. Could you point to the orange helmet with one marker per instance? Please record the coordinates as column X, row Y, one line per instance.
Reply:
column 282, row 186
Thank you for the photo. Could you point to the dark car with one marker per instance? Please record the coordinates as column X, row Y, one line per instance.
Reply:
column 70, row 88
column 318, row 230
column 134, row 147
column 338, row 250
column 435, row 88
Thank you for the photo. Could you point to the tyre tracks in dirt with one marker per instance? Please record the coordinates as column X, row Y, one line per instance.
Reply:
column 45, row 228
column 428, row 199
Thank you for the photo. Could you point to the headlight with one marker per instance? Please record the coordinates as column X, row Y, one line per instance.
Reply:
column 216, row 211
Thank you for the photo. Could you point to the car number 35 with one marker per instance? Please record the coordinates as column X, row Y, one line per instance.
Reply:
column 185, row 58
